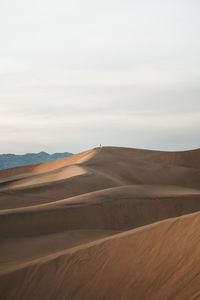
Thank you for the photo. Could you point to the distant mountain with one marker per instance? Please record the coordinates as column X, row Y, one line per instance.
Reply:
column 13, row 160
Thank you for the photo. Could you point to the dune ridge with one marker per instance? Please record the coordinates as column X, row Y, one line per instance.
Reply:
column 89, row 225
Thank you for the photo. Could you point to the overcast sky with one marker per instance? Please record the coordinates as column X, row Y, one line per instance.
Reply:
column 74, row 74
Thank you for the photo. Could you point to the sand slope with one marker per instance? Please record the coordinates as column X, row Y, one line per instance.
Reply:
column 99, row 225
column 159, row 261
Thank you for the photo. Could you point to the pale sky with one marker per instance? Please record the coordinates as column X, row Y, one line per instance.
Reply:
column 74, row 74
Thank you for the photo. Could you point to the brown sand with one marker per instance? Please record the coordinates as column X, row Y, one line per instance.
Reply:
column 89, row 227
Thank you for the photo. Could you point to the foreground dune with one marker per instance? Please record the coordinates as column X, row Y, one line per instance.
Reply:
column 159, row 261
column 99, row 225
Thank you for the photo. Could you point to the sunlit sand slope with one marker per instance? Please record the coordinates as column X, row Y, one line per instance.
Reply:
column 159, row 261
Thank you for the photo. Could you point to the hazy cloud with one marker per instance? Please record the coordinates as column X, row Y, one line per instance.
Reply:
column 76, row 74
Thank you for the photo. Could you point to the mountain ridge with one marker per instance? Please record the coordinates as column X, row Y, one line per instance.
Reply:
column 11, row 160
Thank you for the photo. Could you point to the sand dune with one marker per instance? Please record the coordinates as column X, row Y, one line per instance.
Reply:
column 159, row 261
column 120, row 208
column 99, row 225
column 94, row 170
column 48, row 177
column 25, row 171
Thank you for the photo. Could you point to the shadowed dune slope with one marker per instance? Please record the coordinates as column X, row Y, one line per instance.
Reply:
column 190, row 158
column 119, row 208
column 159, row 261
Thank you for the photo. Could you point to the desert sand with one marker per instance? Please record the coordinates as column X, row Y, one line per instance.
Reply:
column 108, row 223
